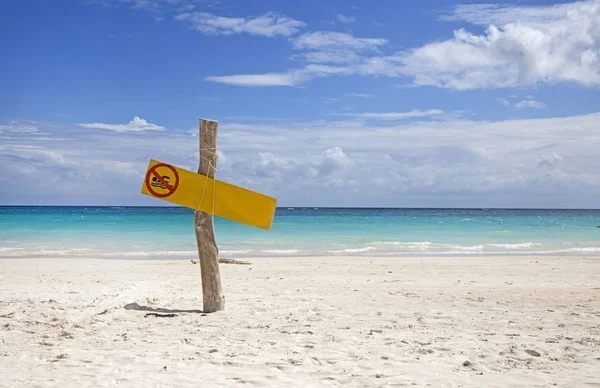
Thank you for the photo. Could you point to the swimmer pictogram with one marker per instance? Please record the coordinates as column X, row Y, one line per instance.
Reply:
column 162, row 180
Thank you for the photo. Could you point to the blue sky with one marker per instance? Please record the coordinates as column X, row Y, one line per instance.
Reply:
column 328, row 103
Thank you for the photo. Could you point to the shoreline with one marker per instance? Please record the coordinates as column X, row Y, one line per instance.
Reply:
column 526, row 321
column 316, row 256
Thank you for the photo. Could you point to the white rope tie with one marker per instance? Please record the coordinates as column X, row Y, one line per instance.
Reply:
column 211, row 164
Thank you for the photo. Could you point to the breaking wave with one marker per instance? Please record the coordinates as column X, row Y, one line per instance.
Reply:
column 374, row 248
column 352, row 250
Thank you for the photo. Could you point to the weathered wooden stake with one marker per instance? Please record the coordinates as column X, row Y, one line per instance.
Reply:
column 212, row 294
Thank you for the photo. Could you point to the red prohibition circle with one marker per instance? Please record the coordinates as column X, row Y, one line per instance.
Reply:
column 170, row 188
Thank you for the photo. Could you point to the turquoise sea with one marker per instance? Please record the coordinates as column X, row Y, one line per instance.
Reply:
column 168, row 232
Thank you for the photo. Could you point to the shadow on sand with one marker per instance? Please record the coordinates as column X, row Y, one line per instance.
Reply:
column 135, row 306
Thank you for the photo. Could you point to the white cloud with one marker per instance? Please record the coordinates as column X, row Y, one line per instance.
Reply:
column 334, row 47
column 503, row 101
column 269, row 24
column 486, row 14
column 346, row 19
column 322, row 48
column 142, row 4
column 361, row 95
column 19, row 126
column 530, row 104
column 333, row 159
column 186, row 7
column 145, row 5
column 137, row 124
column 155, row 6
column 290, row 78
column 321, row 40
column 267, row 79
column 522, row 46
column 548, row 162
column 397, row 115
column 327, row 100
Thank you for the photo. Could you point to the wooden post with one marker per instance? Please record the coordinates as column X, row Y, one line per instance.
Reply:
column 212, row 294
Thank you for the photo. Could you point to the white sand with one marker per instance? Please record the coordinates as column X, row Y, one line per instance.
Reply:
column 307, row 322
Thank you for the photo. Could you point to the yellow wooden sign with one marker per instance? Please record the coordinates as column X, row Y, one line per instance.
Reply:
column 199, row 192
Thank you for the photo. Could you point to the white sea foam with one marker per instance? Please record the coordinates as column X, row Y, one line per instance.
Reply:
column 353, row 250
column 588, row 250
column 150, row 253
column 468, row 248
column 394, row 243
column 10, row 249
column 280, row 251
column 455, row 253
column 56, row 252
column 69, row 252
column 421, row 245
column 409, row 244
column 387, row 248
column 513, row 246
column 234, row 252
column 578, row 249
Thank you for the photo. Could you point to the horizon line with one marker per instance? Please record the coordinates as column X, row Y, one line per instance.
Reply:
column 323, row 207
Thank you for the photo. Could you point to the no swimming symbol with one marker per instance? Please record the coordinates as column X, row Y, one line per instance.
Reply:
column 186, row 188
column 162, row 180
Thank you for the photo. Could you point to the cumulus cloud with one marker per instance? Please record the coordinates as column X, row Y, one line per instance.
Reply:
column 530, row 104
column 137, row 124
column 269, row 24
column 333, row 159
column 520, row 46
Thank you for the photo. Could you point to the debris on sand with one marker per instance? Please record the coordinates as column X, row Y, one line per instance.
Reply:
column 232, row 261
column 533, row 353
column 160, row 315
column 227, row 261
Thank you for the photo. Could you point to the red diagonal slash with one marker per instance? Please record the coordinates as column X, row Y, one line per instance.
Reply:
column 170, row 188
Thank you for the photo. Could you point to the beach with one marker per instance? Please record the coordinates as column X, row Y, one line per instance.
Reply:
column 384, row 194
column 510, row 321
